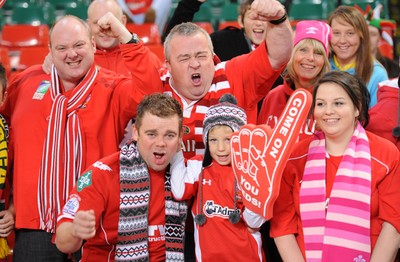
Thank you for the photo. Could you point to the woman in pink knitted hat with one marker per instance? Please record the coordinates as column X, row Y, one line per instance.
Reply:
column 308, row 62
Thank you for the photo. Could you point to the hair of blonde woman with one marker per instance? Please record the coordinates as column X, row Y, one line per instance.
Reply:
column 364, row 59
column 291, row 76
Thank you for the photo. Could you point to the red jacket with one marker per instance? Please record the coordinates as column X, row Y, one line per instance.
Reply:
column 103, row 118
column 113, row 59
column 384, row 115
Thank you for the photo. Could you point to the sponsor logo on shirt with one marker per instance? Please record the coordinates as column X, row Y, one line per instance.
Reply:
column 211, row 209
column 101, row 166
column 156, row 233
column 41, row 90
column 85, row 180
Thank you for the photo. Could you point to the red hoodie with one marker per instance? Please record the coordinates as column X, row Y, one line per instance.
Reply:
column 384, row 115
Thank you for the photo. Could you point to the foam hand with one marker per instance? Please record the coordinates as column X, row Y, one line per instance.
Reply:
column 259, row 154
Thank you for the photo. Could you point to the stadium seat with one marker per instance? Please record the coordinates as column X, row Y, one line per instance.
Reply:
column 148, row 32
column 10, row 4
column 229, row 12
column 33, row 14
column 204, row 14
column 364, row 3
column 206, row 26
column 30, row 56
column 79, row 9
column 311, row 9
column 217, row 3
column 17, row 36
column 225, row 24
column 62, row 4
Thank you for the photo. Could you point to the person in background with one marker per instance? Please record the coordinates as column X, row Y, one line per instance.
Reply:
column 384, row 116
column 351, row 48
column 102, row 211
column 339, row 198
column 108, row 53
column 147, row 11
column 229, row 42
column 77, row 115
column 196, row 77
column 6, row 206
column 308, row 62
column 375, row 34
column 224, row 227
column 3, row 83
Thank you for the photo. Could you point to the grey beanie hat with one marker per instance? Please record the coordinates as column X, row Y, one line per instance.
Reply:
column 225, row 113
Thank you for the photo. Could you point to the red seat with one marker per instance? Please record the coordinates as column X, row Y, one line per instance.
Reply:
column 206, row 26
column 225, row 24
column 30, row 56
column 16, row 36
column 148, row 32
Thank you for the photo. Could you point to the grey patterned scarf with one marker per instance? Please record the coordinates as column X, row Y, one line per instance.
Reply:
column 134, row 205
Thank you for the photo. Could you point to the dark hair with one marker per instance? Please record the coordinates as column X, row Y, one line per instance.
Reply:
column 161, row 105
column 3, row 78
column 353, row 86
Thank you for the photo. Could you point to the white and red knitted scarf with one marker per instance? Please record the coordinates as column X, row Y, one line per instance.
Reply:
column 64, row 150
column 339, row 231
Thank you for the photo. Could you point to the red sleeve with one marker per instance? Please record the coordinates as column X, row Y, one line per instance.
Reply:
column 93, row 190
column 251, row 76
column 140, row 62
column 284, row 220
column 387, row 187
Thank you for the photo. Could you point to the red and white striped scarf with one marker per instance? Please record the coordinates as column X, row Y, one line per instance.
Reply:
column 63, row 154
column 339, row 231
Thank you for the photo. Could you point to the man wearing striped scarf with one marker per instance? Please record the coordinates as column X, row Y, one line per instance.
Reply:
column 64, row 122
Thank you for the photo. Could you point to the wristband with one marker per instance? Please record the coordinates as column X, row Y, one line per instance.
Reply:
column 280, row 20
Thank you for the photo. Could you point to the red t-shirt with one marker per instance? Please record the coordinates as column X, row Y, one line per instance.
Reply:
column 385, row 194
column 102, row 194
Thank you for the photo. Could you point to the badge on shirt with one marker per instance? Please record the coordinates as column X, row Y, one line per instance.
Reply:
column 41, row 90
column 71, row 207
column 85, row 180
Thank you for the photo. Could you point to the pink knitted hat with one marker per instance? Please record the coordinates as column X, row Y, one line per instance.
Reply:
column 313, row 29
